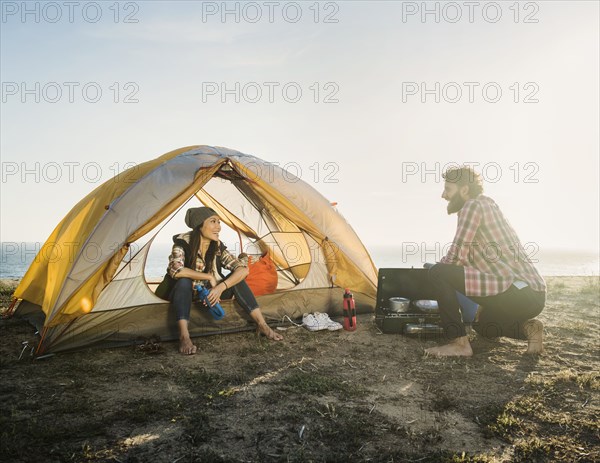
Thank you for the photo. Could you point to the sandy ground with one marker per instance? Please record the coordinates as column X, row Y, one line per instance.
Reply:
column 322, row 396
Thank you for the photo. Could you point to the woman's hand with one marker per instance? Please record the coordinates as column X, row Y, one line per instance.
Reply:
column 214, row 294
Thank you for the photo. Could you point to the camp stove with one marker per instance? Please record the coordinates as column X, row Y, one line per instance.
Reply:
column 419, row 318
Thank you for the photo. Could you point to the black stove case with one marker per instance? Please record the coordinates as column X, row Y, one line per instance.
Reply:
column 411, row 283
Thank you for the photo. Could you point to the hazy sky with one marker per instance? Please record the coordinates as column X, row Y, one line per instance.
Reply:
column 366, row 101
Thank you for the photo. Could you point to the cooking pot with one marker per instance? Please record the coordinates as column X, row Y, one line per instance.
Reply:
column 427, row 306
column 398, row 304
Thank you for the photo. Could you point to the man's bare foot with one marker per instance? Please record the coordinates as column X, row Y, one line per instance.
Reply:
column 534, row 330
column 459, row 347
column 266, row 331
column 186, row 346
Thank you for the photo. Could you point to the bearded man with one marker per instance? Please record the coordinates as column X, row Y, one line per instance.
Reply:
column 487, row 263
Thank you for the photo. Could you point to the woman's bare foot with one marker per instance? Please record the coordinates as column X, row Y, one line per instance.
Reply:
column 534, row 330
column 459, row 347
column 262, row 327
column 186, row 346
column 268, row 332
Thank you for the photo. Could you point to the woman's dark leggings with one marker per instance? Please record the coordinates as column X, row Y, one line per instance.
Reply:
column 181, row 297
column 501, row 315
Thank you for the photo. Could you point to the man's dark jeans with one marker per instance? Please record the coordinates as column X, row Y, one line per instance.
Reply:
column 501, row 315
column 182, row 293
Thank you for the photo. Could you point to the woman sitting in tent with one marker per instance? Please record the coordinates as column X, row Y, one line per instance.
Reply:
column 203, row 242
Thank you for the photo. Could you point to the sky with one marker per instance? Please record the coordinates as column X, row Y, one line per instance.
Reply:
column 366, row 101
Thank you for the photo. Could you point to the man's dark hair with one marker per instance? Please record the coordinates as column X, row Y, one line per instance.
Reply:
column 465, row 176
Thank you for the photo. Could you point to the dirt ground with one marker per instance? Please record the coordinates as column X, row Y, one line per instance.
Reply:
column 322, row 396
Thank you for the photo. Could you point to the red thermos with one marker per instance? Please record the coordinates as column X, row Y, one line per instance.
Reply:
column 349, row 311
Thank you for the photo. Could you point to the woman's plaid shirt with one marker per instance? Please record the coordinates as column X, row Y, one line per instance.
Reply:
column 489, row 250
column 177, row 260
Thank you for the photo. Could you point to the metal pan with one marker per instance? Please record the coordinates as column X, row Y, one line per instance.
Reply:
column 398, row 304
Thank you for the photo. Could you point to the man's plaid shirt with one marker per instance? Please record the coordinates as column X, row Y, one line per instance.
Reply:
column 489, row 250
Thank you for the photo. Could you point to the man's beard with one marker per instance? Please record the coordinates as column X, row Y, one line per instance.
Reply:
column 456, row 203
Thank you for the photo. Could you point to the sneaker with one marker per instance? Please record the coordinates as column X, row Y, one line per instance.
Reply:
column 324, row 320
column 311, row 323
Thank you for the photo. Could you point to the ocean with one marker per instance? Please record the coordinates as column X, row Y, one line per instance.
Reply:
column 16, row 258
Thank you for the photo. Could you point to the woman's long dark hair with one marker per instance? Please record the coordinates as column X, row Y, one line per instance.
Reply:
column 213, row 247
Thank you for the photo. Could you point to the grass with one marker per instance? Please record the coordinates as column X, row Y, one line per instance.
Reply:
column 262, row 347
column 198, row 427
column 67, row 420
column 316, row 397
column 585, row 380
column 589, row 380
column 591, row 287
column 143, row 410
column 464, row 458
column 300, row 382
column 557, row 286
column 333, row 431
column 207, row 454
column 350, row 427
column 535, row 422
column 507, row 424
column 40, row 434
column 200, row 380
column 7, row 288
column 443, row 402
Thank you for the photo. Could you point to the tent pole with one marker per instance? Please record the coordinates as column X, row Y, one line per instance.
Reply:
column 39, row 349
column 240, row 238
column 149, row 241
column 11, row 309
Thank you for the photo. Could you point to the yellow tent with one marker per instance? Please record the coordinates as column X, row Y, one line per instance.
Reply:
column 80, row 291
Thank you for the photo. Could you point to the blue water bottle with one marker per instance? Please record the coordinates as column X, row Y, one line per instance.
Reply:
column 216, row 310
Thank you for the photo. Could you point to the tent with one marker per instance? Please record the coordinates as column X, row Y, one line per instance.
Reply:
column 83, row 289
